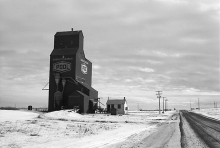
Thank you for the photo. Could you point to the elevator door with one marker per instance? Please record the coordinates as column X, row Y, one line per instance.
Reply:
column 76, row 101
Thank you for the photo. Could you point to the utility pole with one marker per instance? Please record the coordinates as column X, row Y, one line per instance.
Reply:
column 166, row 104
column 163, row 104
column 215, row 104
column 198, row 104
column 159, row 96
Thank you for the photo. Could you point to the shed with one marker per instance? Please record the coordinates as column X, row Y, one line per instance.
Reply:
column 119, row 104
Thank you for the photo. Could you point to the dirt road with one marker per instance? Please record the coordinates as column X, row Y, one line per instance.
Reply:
column 167, row 135
column 199, row 131
column 189, row 130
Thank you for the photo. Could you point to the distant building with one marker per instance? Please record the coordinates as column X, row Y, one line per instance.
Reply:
column 119, row 104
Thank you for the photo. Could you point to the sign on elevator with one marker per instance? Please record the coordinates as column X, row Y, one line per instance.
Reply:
column 62, row 66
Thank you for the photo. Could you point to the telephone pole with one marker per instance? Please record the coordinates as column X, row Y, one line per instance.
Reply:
column 166, row 104
column 198, row 104
column 163, row 104
column 215, row 104
column 159, row 96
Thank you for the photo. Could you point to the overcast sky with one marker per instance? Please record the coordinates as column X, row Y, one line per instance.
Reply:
column 136, row 46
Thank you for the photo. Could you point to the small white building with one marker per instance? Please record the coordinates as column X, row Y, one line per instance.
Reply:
column 119, row 104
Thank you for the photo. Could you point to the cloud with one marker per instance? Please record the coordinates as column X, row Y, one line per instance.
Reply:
column 141, row 69
column 134, row 46
column 96, row 67
column 146, row 70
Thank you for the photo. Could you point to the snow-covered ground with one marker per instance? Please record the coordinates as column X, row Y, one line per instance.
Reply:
column 211, row 112
column 14, row 115
column 68, row 129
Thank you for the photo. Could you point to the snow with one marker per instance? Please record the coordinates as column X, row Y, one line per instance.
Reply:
column 210, row 112
column 14, row 115
column 66, row 128
column 65, row 114
column 100, row 140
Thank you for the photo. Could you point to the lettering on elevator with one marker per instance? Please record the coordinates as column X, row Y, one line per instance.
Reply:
column 62, row 66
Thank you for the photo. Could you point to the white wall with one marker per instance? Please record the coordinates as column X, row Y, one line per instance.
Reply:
column 125, row 105
column 122, row 109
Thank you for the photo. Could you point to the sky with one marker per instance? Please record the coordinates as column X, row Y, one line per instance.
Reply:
column 136, row 47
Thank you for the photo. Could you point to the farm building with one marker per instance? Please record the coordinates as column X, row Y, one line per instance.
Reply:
column 119, row 104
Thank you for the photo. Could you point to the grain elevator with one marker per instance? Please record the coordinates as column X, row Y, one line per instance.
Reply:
column 70, row 78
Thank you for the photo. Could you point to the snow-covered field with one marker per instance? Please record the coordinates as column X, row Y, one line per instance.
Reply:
column 211, row 112
column 68, row 129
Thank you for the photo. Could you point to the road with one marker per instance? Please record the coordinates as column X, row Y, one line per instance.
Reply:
column 189, row 130
column 199, row 131
column 167, row 135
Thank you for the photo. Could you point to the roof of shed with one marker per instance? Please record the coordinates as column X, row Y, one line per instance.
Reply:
column 87, row 86
column 116, row 101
